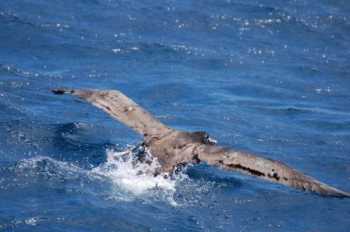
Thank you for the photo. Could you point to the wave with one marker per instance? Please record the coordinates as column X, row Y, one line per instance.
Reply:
column 8, row 17
column 8, row 69
column 126, row 175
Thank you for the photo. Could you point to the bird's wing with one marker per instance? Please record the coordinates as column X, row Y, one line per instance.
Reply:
column 121, row 108
column 264, row 168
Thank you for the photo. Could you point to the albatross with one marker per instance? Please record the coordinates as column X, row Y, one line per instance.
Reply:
column 174, row 148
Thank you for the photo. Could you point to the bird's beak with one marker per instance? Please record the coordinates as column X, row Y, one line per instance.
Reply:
column 212, row 141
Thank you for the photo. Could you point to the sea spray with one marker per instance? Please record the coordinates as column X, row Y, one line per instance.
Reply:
column 138, row 178
column 125, row 176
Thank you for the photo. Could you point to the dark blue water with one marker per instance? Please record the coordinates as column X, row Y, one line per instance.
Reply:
column 271, row 77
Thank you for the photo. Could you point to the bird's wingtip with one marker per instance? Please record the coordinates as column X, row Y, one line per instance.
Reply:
column 61, row 91
column 342, row 194
column 333, row 192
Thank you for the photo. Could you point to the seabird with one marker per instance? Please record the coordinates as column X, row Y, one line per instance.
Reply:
column 174, row 148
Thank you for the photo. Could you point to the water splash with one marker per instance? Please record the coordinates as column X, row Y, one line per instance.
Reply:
column 138, row 175
column 126, row 175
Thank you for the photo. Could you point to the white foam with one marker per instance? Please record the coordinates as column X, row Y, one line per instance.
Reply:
column 128, row 178
column 61, row 168
column 135, row 177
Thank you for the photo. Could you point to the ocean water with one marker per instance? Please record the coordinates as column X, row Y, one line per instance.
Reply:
column 271, row 77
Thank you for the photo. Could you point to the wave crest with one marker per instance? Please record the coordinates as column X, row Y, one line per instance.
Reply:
column 126, row 175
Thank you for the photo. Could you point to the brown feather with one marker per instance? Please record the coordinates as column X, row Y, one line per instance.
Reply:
column 121, row 108
column 266, row 169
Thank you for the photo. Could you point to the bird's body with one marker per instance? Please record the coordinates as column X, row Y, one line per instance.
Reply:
column 174, row 148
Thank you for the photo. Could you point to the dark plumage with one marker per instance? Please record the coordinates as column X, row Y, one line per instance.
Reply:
column 174, row 148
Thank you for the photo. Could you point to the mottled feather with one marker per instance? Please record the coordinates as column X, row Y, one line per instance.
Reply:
column 264, row 168
column 121, row 108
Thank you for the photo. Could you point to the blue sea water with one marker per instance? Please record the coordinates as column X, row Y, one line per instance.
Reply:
column 271, row 77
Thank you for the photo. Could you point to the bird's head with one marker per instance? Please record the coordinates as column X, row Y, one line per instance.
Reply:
column 203, row 137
